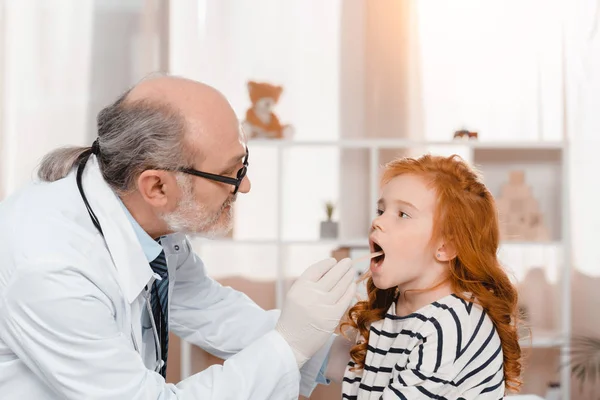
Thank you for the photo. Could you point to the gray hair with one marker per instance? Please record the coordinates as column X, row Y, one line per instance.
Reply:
column 132, row 137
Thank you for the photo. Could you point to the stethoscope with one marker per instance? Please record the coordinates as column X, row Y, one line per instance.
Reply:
column 82, row 161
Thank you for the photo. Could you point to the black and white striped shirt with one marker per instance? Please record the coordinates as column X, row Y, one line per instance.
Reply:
column 448, row 349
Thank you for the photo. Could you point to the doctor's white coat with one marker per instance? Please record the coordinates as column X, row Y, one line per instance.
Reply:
column 71, row 309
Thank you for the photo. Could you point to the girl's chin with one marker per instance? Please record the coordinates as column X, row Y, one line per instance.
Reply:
column 378, row 274
column 381, row 283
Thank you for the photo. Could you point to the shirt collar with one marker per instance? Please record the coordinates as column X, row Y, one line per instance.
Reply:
column 150, row 246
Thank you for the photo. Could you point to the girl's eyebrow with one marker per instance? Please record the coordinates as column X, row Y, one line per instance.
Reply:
column 381, row 203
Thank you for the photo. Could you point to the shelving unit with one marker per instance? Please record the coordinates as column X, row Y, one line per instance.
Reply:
column 405, row 143
column 545, row 161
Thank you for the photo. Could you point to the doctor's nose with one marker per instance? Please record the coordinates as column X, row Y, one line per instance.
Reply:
column 245, row 185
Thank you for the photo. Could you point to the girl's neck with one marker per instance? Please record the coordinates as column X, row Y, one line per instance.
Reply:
column 412, row 301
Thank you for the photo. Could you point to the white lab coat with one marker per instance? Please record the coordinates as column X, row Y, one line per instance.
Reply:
column 71, row 305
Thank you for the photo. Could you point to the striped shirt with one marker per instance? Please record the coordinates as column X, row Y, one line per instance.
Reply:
column 448, row 349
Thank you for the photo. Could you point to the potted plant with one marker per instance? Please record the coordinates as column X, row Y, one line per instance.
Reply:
column 329, row 228
column 585, row 360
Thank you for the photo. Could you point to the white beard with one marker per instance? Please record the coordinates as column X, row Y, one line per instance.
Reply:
column 192, row 218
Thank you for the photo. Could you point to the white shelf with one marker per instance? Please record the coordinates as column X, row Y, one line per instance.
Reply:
column 356, row 242
column 542, row 340
column 515, row 243
column 403, row 143
column 235, row 242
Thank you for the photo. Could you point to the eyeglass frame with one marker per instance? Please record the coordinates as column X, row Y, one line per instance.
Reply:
column 236, row 182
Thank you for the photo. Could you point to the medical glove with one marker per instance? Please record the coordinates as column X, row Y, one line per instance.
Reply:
column 314, row 305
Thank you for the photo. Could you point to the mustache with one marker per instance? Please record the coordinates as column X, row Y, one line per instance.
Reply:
column 229, row 202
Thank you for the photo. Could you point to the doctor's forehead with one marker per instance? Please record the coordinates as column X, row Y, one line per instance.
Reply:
column 212, row 136
column 215, row 143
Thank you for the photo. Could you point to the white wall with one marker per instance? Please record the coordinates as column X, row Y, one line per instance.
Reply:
column 295, row 44
column 583, row 122
column 45, row 94
column 118, row 58
column 61, row 61
column 492, row 66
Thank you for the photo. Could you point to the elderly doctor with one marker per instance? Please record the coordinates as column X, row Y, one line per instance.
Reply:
column 96, row 268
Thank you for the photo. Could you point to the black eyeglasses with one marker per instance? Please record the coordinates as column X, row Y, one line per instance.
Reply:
column 236, row 182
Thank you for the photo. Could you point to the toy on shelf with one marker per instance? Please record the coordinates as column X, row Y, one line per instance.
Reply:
column 520, row 216
column 261, row 121
column 465, row 135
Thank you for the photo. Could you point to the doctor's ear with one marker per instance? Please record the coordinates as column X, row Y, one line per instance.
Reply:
column 158, row 188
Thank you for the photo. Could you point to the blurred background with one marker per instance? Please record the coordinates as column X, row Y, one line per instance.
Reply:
column 512, row 86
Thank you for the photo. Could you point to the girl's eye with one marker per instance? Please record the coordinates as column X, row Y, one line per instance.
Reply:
column 404, row 215
column 379, row 212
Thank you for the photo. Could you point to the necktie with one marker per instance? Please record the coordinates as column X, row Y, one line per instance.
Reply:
column 160, row 305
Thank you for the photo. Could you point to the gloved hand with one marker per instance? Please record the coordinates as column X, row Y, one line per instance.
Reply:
column 314, row 305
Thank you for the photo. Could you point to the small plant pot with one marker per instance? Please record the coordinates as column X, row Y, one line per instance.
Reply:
column 329, row 230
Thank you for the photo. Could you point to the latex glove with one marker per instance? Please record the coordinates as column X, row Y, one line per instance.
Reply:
column 314, row 305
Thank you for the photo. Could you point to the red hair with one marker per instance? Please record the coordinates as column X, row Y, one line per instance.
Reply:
column 465, row 217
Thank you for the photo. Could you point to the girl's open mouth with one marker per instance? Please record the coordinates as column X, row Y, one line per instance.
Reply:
column 376, row 261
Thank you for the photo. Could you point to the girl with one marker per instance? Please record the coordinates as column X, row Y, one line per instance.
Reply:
column 440, row 319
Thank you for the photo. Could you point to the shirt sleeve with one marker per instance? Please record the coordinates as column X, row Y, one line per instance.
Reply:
column 224, row 321
column 64, row 327
column 313, row 372
column 321, row 379
column 218, row 319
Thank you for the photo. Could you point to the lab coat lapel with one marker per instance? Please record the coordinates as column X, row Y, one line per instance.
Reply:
column 126, row 251
column 129, row 259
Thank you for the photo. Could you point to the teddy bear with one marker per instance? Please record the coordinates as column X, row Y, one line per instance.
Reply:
column 261, row 121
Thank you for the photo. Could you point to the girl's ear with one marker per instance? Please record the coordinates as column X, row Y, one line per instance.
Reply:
column 445, row 252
